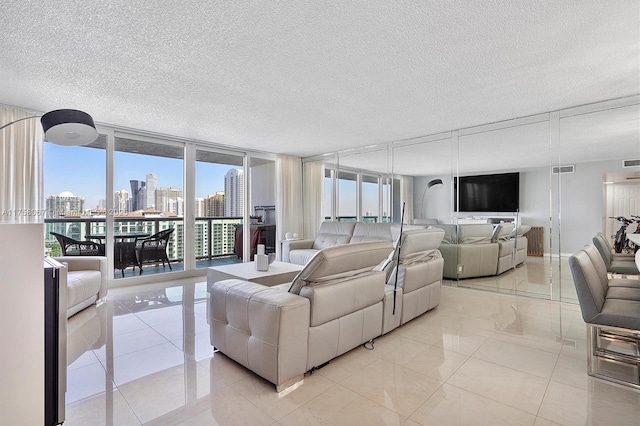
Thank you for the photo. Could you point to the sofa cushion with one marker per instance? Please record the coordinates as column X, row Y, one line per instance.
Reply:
column 364, row 231
column 520, row 230
column 475, row 233
column 82, row 285
column 332, row 234
column 420, row 240
column 504, row 231
column 341, row 297
column 343, row 260
column 302, row 256
column 450, row 233
column 395, row 230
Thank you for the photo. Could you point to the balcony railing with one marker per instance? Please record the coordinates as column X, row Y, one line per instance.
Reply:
column 214, row 236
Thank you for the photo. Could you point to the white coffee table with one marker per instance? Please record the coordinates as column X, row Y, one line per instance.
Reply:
column 278, row 273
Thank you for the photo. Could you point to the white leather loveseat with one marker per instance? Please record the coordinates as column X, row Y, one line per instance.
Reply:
column 341, row 299
column 332, row 234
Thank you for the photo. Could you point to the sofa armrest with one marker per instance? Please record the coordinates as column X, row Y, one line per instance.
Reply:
column 288, row 245
column 263, row 328
column 88, row 263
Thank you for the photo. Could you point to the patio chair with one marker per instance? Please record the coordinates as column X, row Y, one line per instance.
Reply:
column 71, row 247
column 153, row 249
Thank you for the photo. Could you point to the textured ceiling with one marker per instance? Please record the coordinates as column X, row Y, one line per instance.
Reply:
column 304, row 78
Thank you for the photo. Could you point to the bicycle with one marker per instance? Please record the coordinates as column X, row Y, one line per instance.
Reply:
column 620, row 241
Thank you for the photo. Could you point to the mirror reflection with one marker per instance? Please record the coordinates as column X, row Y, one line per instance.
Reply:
column 577, row 169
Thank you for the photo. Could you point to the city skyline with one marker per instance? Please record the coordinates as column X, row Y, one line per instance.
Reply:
column 85, row 171
column 82, row 171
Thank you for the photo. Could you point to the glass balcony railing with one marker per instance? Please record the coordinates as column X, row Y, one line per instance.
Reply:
column 215, row 237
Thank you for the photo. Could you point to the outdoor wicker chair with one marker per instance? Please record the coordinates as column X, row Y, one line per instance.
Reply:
column 71, row 247
column 153, row 249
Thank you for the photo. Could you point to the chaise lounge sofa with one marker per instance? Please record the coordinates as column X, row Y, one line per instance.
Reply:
column 342, row 298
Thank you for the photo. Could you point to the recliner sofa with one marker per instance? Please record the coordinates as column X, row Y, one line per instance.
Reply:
column 333, row 234
column 342, row 298
column 478, row 250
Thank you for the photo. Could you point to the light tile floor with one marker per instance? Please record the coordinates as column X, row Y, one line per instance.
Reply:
column 479, row 358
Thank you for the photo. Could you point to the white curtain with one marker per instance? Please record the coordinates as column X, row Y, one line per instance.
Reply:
column 21, row 144
column 313, row 181
column 289, row 216
column 406, row 188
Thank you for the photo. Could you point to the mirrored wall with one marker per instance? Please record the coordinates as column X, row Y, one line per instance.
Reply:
column 574, row 170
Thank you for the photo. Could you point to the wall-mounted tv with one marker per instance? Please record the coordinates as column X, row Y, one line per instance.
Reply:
column 488, row 193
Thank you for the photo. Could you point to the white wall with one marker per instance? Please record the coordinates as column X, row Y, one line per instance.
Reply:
column 22, row 324
column 581, row 197
column 577, row 211
column 437, row 202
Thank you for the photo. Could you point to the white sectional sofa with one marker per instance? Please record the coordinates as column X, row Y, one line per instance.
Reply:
column 478, row 250
column 468, row 250
column 333, row 234
column 342, row 298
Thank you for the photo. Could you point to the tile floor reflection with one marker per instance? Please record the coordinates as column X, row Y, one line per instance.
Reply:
column 143, row 357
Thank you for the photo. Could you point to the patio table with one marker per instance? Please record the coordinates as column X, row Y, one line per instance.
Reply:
column 124, row 253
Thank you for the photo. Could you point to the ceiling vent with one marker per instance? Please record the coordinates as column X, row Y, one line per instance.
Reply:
column 630, row 163
column 562, row 169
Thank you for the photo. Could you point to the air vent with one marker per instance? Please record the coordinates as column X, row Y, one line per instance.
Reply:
column 562, row 169
column 630, row 163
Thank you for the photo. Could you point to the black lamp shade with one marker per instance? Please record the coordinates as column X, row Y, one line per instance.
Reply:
column 68, row 127
column 434, row 182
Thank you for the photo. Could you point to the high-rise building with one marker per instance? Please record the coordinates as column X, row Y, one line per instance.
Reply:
column 175, row 205
column 65, row 204
column 138, row 195
column 121, row 201
column 168, row 199
column 150, row 188
column 199, row 205
column 234, row 193
column 214, row 205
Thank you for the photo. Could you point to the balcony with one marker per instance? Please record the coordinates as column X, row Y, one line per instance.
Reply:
column 215, row 238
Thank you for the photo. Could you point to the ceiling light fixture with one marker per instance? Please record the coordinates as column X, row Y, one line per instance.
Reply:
column 67, row 127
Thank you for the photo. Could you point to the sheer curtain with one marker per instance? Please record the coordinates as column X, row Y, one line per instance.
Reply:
column 406, row 187
column 313, row 181
column 289, row 217
column 21, row 167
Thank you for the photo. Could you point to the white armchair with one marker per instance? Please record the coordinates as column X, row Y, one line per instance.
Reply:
column 86, row 281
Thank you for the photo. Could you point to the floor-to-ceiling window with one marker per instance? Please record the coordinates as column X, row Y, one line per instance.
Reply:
column 347, row 196
column 126, row 187
column 148, row 201
column 219, row 206
column 351, row 196
column 370, row 198
column 74, row 188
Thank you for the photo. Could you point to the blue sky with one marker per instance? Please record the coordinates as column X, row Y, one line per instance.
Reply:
column 82, row 171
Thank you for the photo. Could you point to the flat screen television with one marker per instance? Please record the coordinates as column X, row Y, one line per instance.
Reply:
column 488, row 193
